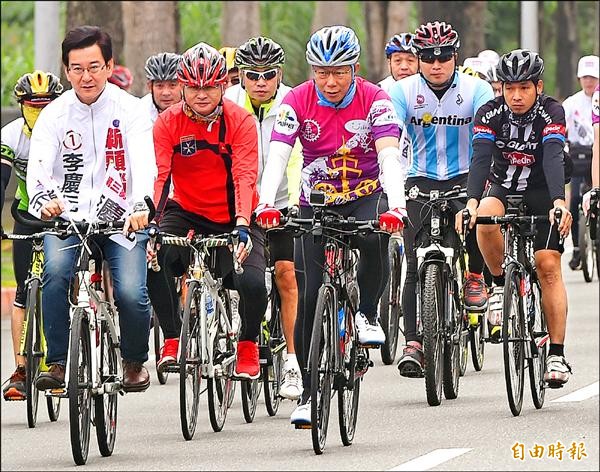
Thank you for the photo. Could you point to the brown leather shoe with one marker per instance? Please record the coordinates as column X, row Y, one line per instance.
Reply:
column 135, row 376
column 54, row 378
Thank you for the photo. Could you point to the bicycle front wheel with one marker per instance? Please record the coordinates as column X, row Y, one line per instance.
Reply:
column 390, row 305
column 33, row 349
column 189, row 362
column 105, row 405
column 586, row 250
column 513, row 339
column 80, row 386
column 159, row 339
column 432, row 306
column 321, row 364
column 454, row 348
column 272, row 375
column 251, row 390
column 539, row 341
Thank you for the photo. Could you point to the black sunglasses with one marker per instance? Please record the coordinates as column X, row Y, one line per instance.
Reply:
column 431, row 58
column 256, row 76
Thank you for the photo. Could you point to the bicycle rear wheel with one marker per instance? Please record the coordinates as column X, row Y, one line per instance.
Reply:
column 221, row 385
column 80, row 386
column 251, row 390
column 586, row 250
column 539, row 340
column 105, row 405
column 33, row 349
column 390, row 305
column 433, row 336
column 189, row 362
column 159, row 339
column 272, row 375
column 513, row 339
column 321, row 364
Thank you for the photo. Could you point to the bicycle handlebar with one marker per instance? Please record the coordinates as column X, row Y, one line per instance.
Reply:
column 456, row 192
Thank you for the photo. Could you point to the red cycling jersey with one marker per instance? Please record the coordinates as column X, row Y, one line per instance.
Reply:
column 214, row 171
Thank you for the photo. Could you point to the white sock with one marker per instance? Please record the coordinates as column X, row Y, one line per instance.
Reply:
column 291, row 363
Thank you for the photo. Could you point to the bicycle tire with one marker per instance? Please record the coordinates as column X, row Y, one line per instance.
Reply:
column 433, row 342
column 189, row 362
column 272, row 375
column 453, row 347
column 80, row 386
column 251, row 390
column 464, row 349
column 158, row 342
column 53, row 406
column 33, row 350
column 390, row 305
column 513, row 332
column 477, row 342
column 537, row 365
column 220, row 386
column 349, row 391
column 586, row 250
column 321, row 365
column 105, row 405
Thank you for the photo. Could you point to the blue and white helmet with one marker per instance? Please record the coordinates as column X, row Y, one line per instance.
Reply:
column 333, row 46
column 399, row 43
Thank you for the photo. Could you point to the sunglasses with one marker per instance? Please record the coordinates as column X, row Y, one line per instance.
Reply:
column 441, row 58
column 256, row 76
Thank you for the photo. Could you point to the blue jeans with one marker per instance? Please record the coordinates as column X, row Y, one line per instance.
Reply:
column 128, row 272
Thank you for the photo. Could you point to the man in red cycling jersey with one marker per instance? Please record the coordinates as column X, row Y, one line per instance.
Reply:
column 207, row 150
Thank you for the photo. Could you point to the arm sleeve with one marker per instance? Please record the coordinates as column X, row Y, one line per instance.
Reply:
column 163, row 150
column 277, row 160
column 293, row 173
column 140, row 147
column 553, row 142
column 7, row 158
column 393, row 169
column 244, row 166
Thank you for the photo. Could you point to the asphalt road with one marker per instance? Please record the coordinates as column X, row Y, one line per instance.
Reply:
column 396, row 428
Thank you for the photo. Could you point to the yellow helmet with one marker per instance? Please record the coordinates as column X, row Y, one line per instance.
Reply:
column 467, row 70
column 229, row 55
column 37, row 86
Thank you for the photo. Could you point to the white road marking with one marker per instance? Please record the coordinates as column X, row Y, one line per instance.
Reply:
column 579, row 395
column 432, row 459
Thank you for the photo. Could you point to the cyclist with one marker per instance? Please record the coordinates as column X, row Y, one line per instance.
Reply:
column 349, row 133
column 33, row 91
column 164, row 88
column 401, row 59
column 437, row 106
column 492, row 79
column 210, row 143
column 478, row 65
column 233, row 71
column 260, row 92
column 595, row 150
column 121, row 76
column 580, row 136
column 91, row 144
column 518, row 147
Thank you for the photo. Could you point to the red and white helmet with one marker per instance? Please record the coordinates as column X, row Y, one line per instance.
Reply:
column 121, row 76
column 202, row 66
column 435, row 35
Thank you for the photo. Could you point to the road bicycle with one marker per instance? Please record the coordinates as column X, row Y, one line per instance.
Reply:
column 32, row 343
column 336, row 360
column 208, row 343
column 440, row 279
column 390, row 304
column 524, row 332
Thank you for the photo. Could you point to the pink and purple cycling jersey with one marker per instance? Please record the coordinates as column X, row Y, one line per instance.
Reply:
column 338, row 145
column 596, row 106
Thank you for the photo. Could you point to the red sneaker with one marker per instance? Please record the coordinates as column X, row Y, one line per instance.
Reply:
column 168, row 353
column 247, row 365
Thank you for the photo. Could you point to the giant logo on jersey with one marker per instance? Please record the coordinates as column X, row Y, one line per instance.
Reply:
column 428, row 120
column 519, row 158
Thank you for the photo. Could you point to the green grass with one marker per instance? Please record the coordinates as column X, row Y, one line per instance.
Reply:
column 8, row 277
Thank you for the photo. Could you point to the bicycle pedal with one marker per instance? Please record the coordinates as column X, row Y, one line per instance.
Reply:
column 370, row 346
column 57, row 391
column 302, row 426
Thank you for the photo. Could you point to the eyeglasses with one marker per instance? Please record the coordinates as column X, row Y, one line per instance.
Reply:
column 325, row 73
column 93, row 69
column 255, row 76
column 441, row 58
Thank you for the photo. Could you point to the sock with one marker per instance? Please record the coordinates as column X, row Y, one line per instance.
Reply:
column 291, row 362
column 557, row 350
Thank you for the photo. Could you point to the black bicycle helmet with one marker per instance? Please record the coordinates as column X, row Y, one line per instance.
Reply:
column 259, row 52
column 520, row 65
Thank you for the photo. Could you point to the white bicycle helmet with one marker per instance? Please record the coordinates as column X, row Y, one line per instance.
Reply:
column 333, row 46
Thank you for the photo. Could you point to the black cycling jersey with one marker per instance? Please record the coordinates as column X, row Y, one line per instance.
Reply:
column 519, row 157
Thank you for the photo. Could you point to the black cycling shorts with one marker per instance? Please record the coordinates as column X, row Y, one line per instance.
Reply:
column 280, row 245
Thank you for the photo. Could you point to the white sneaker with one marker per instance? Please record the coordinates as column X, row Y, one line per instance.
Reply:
column 301, row 415
column 557, row 371
column 496, row 305
column 368, row 333
column 291, row 387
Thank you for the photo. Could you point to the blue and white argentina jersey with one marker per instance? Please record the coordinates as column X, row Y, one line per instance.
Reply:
column 440, row 130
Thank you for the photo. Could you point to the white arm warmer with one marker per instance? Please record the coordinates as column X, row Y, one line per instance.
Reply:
column 277, row 160
column 393, row 167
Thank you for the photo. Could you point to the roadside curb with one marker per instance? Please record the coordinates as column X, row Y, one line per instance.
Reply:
column 8, row 297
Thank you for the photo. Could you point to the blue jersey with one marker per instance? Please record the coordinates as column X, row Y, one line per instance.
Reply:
column 440, row 130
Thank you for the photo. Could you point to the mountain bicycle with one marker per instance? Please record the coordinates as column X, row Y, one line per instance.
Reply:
column 440, row 311
column 207, row 341
column 32, row 344
column 524, row 332
column 336, row 360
